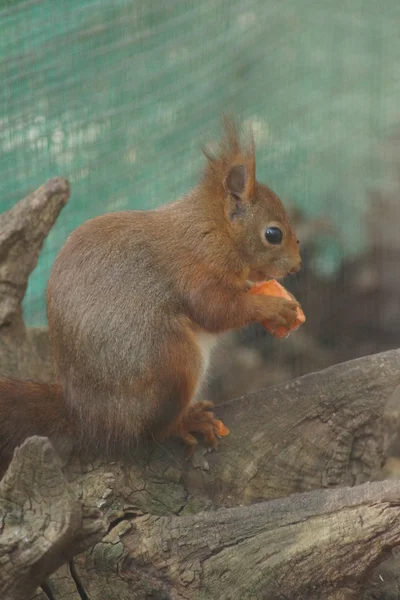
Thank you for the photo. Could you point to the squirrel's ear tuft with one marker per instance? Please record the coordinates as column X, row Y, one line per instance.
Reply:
column 232, row 162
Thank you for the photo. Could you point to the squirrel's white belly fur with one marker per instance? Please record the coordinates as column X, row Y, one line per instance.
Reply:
column 206, row 343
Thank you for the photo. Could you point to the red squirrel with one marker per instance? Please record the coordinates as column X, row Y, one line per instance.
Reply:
column 136, row 301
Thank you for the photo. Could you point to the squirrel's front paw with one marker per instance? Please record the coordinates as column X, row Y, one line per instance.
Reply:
column 280, row 312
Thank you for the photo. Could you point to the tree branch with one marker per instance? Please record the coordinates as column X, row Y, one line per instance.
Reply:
column 321, row 430
column 318, row 545
column 43, row 522
column 308, row 546
column 23, row 230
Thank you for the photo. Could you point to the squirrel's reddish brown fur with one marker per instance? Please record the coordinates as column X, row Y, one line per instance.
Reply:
column 135, row 303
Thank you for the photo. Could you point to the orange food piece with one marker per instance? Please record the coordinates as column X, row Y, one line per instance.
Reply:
column 273, row 288
column 222, row 429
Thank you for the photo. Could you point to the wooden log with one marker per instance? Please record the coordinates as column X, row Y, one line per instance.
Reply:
column 320, row 544
column 23, row 230
column 43, row 521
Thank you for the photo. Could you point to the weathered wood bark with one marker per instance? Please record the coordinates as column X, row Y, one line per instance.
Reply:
column 313, row 545
column 23, row 230
column 321, row 430
column 43, row 520
column 207, row 529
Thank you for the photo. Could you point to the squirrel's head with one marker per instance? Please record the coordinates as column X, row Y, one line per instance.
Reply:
column 255, row 218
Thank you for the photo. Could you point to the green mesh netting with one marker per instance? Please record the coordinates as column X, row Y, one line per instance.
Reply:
column 117, row 97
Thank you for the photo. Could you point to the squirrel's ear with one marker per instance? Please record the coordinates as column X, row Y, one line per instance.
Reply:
column 239, row 182
column 235, row 181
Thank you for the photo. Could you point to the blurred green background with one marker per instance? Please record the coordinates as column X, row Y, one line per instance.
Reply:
column 118, row 96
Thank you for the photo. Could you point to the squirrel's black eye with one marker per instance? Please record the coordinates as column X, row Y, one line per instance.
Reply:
column 273, row 235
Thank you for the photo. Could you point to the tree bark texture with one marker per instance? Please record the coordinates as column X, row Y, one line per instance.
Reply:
column 43, row 521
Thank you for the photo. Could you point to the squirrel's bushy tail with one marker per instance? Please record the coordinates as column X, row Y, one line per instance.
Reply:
column 30, row 408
